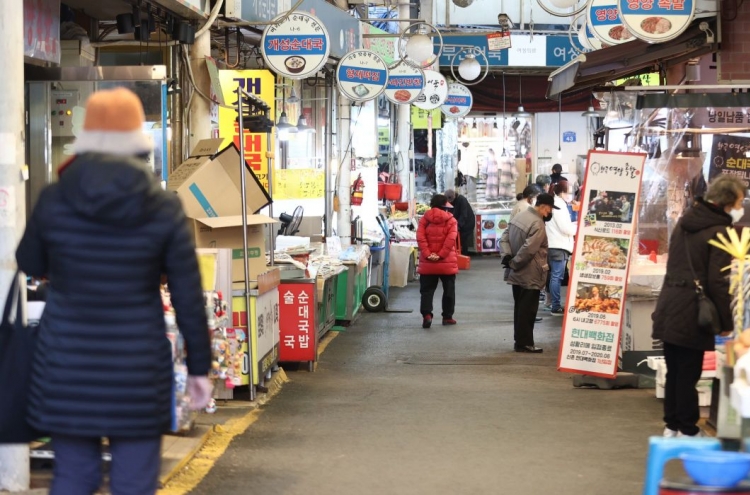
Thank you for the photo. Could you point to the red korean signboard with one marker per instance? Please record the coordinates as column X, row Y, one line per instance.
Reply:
column 297, row 322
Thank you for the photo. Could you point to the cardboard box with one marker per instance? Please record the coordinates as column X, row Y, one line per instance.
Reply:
column 209, row 182
column 226, row 232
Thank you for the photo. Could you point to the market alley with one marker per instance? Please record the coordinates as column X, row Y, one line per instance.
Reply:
column 395, row 409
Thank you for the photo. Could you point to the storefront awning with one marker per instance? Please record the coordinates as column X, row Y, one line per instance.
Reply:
column 629, row 59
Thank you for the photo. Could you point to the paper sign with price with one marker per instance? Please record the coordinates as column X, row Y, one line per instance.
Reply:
column 304, row 183
column 498, row 41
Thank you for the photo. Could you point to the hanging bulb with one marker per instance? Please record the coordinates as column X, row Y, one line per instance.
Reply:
column 559, row 153
column 420, row 47
column 469, row 68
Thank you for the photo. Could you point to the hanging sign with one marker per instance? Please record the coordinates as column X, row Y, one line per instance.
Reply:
column 498, row 41
column 362, row 75
column 405, row 84
column 458, row 102
column 601, row 257
column 729, row 156
column 296, row 48
column 603, row 18
column 656, row 21
column 435, row 91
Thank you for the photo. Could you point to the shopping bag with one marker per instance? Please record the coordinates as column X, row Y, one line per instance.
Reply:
column 17, row 346
column 464, row 262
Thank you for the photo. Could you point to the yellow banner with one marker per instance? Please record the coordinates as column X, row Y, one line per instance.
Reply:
column 419, row 118
column 303, row 183
column 260, row 83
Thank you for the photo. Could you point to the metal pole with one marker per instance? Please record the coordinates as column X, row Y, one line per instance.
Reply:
column 14, row 459
column 176, row 112
column 328, row 154
column 403, row 128
column 269, row 157
column 243, row 184
column 345, row 174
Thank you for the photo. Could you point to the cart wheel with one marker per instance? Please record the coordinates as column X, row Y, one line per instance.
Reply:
column 374, row 300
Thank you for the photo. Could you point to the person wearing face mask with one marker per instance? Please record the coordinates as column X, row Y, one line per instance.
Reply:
column 524, row 255
column 527, row 199
column 675, row 320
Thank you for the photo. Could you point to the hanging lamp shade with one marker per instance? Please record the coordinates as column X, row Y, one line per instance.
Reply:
column 521, row 113
column 302, row 125
column 590, row 113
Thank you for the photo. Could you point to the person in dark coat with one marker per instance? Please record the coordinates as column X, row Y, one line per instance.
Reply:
column 555, row 177
column 676, row 315
column 464, row 215
column 438, row 261
column 103, row 235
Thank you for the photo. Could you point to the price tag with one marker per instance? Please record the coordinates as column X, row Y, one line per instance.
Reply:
column 498, row 41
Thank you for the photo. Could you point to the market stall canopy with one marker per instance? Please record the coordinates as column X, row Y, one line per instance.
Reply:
column 599, row 67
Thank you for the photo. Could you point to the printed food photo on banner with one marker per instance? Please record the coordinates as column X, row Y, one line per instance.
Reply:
column 605, row 252
column 610, row 206
column 598, row 298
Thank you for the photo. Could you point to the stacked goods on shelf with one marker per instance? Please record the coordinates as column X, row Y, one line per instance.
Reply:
column 182, row 416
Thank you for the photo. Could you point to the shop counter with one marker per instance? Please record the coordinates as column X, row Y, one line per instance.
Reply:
column 306, row 314
column 264, row 334
column 351, row 286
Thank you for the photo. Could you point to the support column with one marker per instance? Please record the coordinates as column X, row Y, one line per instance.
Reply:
column 200, row 111
column 345, row 173
column 403, row 128
column 176, row 111
column 14, row 459
column 329, row 156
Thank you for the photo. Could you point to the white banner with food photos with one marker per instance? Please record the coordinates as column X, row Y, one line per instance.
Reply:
column 599, row 266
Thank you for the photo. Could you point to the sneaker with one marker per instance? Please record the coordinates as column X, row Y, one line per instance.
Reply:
column 557, row 312
column 449, row 321
column 547, row 307
column 669, row 433
column 427, row 321
column 700, row 434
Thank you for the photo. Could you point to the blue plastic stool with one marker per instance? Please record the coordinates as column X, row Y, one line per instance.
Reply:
column 662, row 450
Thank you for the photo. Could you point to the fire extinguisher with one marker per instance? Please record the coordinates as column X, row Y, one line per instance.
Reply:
column 358, row 188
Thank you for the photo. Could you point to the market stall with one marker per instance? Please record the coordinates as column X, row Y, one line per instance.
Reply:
column 351, row 284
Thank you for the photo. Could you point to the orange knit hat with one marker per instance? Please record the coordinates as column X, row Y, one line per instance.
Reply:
column 113, row 124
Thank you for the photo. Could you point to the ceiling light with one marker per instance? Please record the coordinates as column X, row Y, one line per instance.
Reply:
column 284, row 125
column 419, row 47
column 520, row 113
column 303, row 127
column 469, row 68
column 591, row 113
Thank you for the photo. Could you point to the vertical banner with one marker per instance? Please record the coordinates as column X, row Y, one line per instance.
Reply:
column 261, row 84
column 601, row 258
column 297, row 322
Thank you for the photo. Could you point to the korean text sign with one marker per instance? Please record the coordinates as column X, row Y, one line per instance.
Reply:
column 261, row 84
column 728, row 156
column 297, row 322
column 599, row 269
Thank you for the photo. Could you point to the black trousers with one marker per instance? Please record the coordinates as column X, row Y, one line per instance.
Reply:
column 427, row 286
column 78, row 465
column 466, row 241
column 524, row 313
column 684, row 369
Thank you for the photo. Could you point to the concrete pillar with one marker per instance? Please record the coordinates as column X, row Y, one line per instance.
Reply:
column 200, row 111
column 14, row 459
column 345, row 173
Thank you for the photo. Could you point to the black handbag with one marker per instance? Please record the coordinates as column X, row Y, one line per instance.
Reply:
column 17, row 346
column 708, row 315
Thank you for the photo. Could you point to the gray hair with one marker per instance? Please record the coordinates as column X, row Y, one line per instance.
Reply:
column 450, row 194
column 725, row 190
column 543, row 180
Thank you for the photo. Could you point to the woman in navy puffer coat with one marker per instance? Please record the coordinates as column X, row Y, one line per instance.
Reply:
column 438, row 260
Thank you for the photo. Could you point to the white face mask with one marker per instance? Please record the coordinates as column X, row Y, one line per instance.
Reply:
column 737, row 214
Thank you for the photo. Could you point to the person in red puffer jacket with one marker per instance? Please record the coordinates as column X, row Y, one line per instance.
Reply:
column 438, row 260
